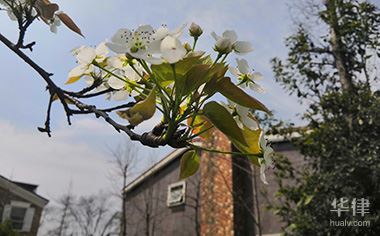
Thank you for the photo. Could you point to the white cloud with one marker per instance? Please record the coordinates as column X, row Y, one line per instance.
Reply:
column 52, row 163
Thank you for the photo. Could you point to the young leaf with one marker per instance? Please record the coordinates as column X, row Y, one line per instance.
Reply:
column 201, row 125
column 223, row 120
column 46, row 9
column 195, row 77
column 72, row 80
column 189, row 164
column 69, row 23
column 252, row 137
column 235, row 94
column 143, row 110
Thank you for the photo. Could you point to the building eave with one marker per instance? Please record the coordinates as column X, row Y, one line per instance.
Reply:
column 155, row 168
column 23, row 193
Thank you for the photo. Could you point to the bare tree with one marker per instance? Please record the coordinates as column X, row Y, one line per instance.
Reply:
column 124, row 159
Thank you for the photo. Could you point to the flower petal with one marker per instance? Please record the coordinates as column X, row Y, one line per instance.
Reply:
column 262, row 173
column 120, row 95
column 257, row 76
column 122, row 36
column 234, row 71
column 118, row 48
column 116, row 83
column 242, row 66
column 86, row 55
column 172, row 49
column 242, row 47
column 231, row 35
column 215, row 36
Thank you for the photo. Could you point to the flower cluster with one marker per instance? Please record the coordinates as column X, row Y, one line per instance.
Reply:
column 24, row 11
column 156, row 71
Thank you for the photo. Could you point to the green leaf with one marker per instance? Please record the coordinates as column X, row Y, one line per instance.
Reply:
column 189, row 164
column 234, row 93
column 252, row 137
column 217, row 72
column 223, row 120
column 165, row 71
column 195, row 77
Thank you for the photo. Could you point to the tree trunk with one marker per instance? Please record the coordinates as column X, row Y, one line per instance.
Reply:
column 338, row 46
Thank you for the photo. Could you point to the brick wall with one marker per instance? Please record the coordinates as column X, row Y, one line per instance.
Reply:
column 216, row 211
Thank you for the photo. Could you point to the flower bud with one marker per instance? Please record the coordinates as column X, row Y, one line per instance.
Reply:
column 195, row 30
column 223, row 46
column 187, row 47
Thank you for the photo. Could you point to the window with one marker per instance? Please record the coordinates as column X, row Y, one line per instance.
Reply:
column 17, row 217
column 20, row 214
column 176, row 194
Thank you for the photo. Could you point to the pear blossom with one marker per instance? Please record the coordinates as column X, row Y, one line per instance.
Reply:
column 229, row 41
column 247, row 78
column 135, row 43
column 243, row 116
column 168, row 44
column 122, row 87
column 85, row 57
column 266, row 161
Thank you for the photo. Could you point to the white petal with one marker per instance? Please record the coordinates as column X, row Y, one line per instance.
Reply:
column 257, row 76
column 243, row 66
column 231, row 35
column 178, row 31
column 116, row 83
column 257, row 88
column 120, row 95
column 161, row 33
column 153, row 60
column 78, row 71
column 101, row 49
column 89, row 80
column 116, row 62
column 215, row 36
column 86, row 55
column 242, row 47
column 131, row 74
column 262, row 141
column 122, row 36
column 154, row 47
column 262, row 174
column 172, row 49
column 118, row 48
column 250, row 122
column 234, row 71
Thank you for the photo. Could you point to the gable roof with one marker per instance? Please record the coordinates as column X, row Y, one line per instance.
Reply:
column 23, row 190
column 155, row 168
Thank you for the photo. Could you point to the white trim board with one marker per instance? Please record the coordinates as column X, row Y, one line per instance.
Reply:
column 23, row 193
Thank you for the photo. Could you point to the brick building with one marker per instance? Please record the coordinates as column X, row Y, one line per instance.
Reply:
column 208, row 203
column 20, row 204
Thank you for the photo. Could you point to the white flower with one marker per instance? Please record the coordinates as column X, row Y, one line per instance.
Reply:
column 135, row 42
column 54, row 23
column 172, row 50
column 267, row 160
column 247, row 78
column 229, row 39
column 122, row 87
column 167, row 43
column 242, row 116
column 85, row 56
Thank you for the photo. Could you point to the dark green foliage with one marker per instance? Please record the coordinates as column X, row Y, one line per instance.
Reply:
column 6, row 229
column 342, row 144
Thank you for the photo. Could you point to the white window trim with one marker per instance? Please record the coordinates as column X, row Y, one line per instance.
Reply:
column 29, row 214
column 175, row 185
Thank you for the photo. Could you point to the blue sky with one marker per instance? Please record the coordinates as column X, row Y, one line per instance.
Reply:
column 78, row 154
